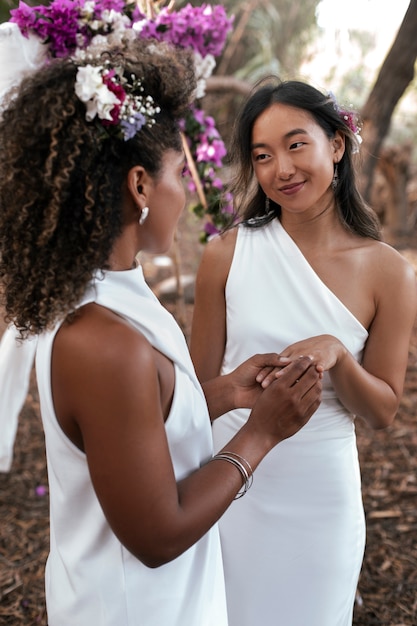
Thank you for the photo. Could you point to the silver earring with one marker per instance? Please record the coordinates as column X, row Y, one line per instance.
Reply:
column 143, row 215
column 335, row 180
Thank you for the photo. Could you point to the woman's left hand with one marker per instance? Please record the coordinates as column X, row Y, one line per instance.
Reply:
column 324, row 350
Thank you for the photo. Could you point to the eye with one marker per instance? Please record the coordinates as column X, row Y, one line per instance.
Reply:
column 260, row 157
column 296, row 144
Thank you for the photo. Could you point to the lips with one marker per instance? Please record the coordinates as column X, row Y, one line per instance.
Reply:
column 292, row 188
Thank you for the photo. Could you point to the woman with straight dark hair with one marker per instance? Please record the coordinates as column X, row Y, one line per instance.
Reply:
column 304, row 273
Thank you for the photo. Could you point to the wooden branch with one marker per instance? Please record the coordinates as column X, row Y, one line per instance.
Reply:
column 228, row 83
column 193, row 169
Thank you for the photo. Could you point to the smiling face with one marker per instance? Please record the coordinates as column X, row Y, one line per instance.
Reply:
column 293, row 158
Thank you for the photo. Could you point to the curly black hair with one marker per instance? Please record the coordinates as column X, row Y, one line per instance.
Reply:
column 61, row 178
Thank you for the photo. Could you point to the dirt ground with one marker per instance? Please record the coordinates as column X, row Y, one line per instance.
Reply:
column 387, row 592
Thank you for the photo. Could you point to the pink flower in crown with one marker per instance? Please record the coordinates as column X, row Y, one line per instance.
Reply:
column 117, row 89
column 349, row 117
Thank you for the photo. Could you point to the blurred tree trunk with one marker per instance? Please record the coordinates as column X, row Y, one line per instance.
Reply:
column 395, row 75
column 389, row 194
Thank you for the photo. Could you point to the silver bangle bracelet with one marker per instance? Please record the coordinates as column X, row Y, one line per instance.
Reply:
column 242, row 465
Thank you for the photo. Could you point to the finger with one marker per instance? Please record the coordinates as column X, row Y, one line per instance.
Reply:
column 268, row 363
column 270, row 359
column 264, row 373
column 310, row 380
column 279, row 372
column 307, row 380
column 290, row 358
column 269, row 377
column 310, row 394
column 310, row 384
column 294, row 371
column 312, row 400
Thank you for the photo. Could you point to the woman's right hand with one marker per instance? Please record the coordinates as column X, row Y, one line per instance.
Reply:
column 288, row 402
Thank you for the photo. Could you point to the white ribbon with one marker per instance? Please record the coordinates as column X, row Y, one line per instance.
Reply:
column 19, row 55
column 16, row 360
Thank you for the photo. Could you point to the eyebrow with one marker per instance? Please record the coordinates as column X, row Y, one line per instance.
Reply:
column 291, row 133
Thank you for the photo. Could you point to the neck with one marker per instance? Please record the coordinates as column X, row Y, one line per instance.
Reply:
column 124, row 251
column 315, row 229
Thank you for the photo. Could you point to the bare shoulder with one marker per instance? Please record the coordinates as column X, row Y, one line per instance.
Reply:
column 392, row 280
column 389, row 264
column 217, row 255
column 99, row 342
column 91, row 323
column 221, row 248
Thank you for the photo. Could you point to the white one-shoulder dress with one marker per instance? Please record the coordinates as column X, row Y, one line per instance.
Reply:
column 293, row 546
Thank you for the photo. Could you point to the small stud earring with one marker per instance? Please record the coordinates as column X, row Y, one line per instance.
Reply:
column 143, row 215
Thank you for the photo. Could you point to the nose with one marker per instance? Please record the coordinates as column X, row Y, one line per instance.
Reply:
column 285, row 167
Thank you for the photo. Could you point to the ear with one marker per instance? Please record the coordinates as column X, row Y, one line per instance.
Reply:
column 338, row 146
column 138, row 185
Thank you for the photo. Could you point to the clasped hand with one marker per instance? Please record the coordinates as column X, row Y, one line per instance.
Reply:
column 283, row 405
column 325, row 351
column 256, row 374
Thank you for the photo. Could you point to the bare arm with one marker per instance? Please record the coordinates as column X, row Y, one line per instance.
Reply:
column 112, row 398
column 208, row 333
column 373, row 389
column 238, row 389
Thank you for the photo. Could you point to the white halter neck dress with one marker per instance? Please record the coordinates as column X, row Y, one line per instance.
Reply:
column 91, row 579
column 293, row 546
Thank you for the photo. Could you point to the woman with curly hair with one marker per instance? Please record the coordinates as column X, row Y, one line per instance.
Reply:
column 305, row 272
column 91, row 161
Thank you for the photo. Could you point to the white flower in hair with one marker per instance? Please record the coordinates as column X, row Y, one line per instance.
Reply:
column 90, row 89
column 88, row 81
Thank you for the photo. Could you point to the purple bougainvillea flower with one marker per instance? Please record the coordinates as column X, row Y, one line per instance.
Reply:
column 203, row 29
column 210, row 229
